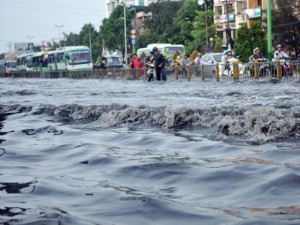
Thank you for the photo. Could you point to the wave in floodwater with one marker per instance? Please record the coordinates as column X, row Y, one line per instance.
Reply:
column 258, row 124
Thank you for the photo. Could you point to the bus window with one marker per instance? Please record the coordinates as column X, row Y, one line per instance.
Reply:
column 79, row 57
column 172, row 50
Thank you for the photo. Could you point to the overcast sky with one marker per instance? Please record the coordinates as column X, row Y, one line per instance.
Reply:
column 21, row 19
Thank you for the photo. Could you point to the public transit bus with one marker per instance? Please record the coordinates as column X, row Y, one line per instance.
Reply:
column 24, row 62
column 39, row 61
column 72, row 58
column 167, row 49
column 11, row 66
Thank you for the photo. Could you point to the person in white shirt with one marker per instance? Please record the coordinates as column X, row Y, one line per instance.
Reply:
column 279, row 54
column 197, row 60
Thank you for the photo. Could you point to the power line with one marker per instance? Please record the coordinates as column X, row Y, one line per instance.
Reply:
column 47, row 5
column 49, row 10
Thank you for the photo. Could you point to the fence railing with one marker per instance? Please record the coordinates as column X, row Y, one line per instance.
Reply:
column 217, row 72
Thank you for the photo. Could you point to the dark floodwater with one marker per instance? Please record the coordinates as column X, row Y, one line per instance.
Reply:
column 118, row 152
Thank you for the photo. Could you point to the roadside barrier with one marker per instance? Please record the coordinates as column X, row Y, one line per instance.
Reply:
column 284, row 70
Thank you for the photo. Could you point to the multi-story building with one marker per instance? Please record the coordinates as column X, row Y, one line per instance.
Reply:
column 136, row 6
column 229, row 14
column 255, row 10
column 111, row 4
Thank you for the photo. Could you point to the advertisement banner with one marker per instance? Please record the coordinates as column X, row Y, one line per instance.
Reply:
column 254, row 13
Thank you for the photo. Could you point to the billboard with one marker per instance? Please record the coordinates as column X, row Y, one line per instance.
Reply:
column 253, row 13
column 23, row 47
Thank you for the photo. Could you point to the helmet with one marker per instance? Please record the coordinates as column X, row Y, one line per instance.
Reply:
column 155, row 49
column 257, row 48
column 278, row 46
column 151, row 51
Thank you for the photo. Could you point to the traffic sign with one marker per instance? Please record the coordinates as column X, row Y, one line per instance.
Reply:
column 133, row 36
column 133, row 41
column 133, row 31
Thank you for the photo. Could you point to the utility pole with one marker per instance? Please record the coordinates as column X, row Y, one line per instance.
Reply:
column 59, row 26
column 125, row 36
column 90, row 36
column 269, row 25
column 228, row 30
column 200, row 2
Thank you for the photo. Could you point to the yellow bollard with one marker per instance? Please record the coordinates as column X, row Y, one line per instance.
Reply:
column 115, row 72
column 235, row 70
column 176, row 72
column 188, row 72
column 136, row 73
column 217, row 72
column 202, row 71
column 278, row 69
column 122, row 72
column 145, row 74
column 255, row 69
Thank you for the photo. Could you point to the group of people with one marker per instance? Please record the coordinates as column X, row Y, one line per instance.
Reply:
column 158, row 61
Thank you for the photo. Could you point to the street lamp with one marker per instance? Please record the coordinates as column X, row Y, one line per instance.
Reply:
column 30, row 45
column 200, row 2
column 125, row 36
column 59, row 26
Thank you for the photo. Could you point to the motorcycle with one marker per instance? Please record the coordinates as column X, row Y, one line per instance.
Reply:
column 150, row 72
column 263, row 68
column 229, row 67
column 286, row 69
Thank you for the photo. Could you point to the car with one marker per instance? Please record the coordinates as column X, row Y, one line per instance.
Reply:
column 209, row 61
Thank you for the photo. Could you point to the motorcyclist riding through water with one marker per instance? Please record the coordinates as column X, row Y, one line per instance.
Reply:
column 285, row 67
column 259, row 58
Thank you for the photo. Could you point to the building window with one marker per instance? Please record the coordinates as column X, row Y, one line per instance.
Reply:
column 141, row 2
column 259, row 2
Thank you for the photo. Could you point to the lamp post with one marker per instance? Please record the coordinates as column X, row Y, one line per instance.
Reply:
column 30, row 45
column 125, row 36
column 228, row 30
column 200, row 2
column 269, row 24
column 59, row 26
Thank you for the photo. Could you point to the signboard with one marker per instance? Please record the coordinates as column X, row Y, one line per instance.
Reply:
column 133, row 41
column 231, row 17
column 253, row 13
column 21, row 47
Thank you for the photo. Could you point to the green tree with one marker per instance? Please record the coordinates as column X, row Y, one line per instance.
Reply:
column 160, row 24
column 112, row 29
column 286, row 24
column 249, row 38
column 199, row 29
column 217, row 44
column 189, row 24
column 148, row 37
column 72, row 39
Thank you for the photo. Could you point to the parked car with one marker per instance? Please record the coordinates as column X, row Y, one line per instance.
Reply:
column 209, row 60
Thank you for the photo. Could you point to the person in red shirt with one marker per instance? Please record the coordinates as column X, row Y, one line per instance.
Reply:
column 135, row 63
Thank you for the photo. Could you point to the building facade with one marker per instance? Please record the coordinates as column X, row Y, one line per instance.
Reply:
column 112, row 4
column 228, row 16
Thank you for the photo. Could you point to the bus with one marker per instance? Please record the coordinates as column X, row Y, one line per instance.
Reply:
column 11, row 66
column 39, row 61
column 167, row 49
column 72, row 58
column 24, row 62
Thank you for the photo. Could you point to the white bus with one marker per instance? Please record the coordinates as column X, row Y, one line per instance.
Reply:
column 167, row 49
column 24, row 62
column 11, row 66
column 72, row 58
